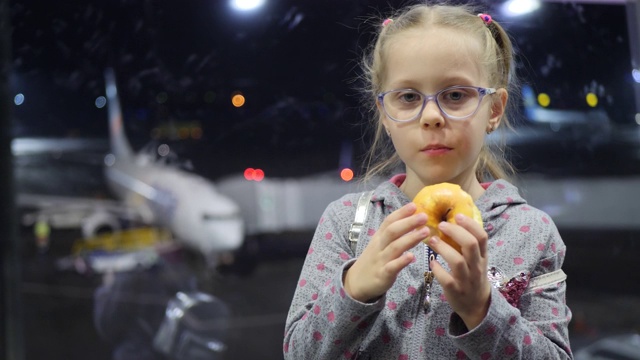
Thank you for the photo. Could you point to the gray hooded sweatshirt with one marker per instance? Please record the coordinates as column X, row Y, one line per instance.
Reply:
column 326, row 323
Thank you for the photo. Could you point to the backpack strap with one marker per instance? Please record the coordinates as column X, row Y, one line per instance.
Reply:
column 358, row 221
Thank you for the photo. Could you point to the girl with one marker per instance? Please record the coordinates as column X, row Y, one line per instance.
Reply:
column 439, row 77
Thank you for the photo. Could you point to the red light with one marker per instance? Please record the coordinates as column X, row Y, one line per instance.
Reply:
column 252, row 174
column 258, row 175
column 346, row 174
column 249, row 173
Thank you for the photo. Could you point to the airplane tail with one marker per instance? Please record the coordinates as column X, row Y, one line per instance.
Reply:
column 120, row 146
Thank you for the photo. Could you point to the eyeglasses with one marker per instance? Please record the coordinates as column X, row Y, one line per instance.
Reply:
column 455, row 102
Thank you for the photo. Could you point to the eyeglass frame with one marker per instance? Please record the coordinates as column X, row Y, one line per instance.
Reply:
column 426, row 98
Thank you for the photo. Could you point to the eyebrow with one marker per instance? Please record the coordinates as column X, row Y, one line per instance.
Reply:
column 442, row 83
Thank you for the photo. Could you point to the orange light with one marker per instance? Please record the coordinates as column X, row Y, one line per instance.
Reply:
column 238, row 100
column 346, row 174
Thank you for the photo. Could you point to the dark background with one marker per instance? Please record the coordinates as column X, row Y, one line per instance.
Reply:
column 296, row 62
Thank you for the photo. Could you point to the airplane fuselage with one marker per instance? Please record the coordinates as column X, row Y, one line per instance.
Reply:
column 188, row 204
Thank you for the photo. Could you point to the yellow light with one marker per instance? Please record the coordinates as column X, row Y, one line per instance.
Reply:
column 592, row 99
column 238, row 100
column 544, row 100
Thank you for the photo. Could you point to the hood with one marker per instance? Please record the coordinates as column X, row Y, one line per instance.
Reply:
column 499, row 195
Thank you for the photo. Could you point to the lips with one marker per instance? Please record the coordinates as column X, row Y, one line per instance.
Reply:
column 436, row 149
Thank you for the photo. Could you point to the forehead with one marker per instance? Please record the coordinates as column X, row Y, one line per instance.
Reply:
column 434, row 58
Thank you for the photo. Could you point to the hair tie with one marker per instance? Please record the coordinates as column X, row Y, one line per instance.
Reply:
column 387, row 22
column 486, row 18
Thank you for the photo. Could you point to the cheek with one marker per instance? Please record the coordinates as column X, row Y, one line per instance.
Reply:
column 472, row 138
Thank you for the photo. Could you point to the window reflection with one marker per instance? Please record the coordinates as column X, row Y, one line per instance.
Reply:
column 180, row 69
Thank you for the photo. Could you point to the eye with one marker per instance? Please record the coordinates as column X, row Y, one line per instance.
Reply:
column 454, row 95
column 409, row 96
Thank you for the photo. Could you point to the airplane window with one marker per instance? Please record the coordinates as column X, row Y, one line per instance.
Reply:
column 153, row 84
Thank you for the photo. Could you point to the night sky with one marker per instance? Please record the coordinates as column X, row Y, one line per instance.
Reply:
column 296, row 62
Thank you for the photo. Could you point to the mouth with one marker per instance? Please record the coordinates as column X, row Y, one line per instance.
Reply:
column 436, row 149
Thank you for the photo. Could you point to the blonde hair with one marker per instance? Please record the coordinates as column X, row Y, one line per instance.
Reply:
column 496, row 58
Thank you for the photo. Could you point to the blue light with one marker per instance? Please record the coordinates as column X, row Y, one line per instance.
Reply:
column 18, row 99
column 101, row 101
column 636, row 75
column 520, row 7
column 246, row 5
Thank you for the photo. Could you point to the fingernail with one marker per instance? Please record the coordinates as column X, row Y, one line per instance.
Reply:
column 443, row 225
column 459, row 217
column 433, row 240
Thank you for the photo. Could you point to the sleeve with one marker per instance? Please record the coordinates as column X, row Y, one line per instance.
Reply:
column 536, row 329
column 323, row 321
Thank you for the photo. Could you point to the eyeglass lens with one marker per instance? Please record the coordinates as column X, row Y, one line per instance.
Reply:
column 406, row 105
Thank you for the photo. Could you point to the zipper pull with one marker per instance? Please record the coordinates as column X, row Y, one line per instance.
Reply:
column 428, row 280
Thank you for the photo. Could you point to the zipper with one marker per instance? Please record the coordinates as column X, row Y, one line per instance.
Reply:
column 430, row 255
column 424, row 302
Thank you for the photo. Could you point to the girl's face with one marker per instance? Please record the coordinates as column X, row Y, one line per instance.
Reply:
column 434, row 148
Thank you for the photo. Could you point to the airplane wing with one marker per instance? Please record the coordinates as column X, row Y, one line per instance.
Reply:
column 62, row 212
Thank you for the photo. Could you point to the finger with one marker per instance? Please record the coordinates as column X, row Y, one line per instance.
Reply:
column 402, row 225
column 456, row 261
column 443, row 276
column 469, row 244
column 393, row 267
column 406, row 242
column 401, row 213
column 476, row 230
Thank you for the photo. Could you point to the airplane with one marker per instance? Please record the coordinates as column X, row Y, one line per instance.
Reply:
column 150, row 190
column 190, row 205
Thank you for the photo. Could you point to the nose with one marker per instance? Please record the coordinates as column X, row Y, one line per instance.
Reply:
column 431, row 115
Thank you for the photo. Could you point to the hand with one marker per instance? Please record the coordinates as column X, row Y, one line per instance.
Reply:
column 377, row 268
column 466, row 287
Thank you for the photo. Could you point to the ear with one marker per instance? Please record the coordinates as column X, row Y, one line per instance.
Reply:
column 498, row 107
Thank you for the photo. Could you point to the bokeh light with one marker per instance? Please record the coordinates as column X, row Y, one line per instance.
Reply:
column 246, row 5
column 258, row 175
column 592, row 99
column 544, row 100
column 100, row 102
column 238, row 100
column 346, row 174
column 252, row 174
column 18, row 99
column 164, row 150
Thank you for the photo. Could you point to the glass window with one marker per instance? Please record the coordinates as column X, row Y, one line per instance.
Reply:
column 172, row 159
